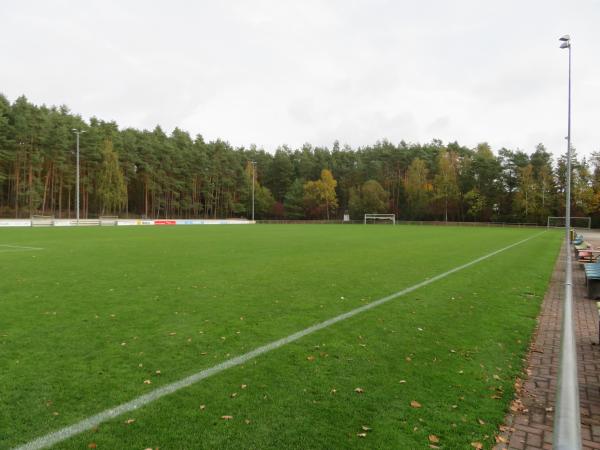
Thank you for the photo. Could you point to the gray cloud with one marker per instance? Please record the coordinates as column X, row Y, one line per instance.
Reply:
column 272, row 72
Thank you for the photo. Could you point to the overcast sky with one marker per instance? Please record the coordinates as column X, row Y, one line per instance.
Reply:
column 279, row 72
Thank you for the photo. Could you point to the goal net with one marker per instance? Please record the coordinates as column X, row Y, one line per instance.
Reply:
column 108, row 220
column 380, row 218
column 42, row 221
column 576, row 222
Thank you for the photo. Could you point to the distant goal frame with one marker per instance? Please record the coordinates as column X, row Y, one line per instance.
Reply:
column 375, row 217
column 104, row 221
column 39, row 220
column 563, row 218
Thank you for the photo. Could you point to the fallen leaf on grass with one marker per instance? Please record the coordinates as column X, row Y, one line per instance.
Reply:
column 362, row 435
column 157, row 372
column 481, row 422
column 92, row 445
column 359, row 390
column 402, row 381
column 244, row 386
column 247, row 421
column 433, row 439
column 129, row 421
column 415, row 404
column 501, row 440
column 147, row 382
column 202, row 407
column 365, row 428
column 227, row 417
column 310, row 358
column 172, row 334
column 477, row 445
column 233, row 394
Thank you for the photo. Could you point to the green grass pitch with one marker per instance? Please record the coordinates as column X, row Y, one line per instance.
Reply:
column 101, row 316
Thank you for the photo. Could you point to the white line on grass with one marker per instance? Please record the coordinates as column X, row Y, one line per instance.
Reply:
column 95, row 420
column 4, row 248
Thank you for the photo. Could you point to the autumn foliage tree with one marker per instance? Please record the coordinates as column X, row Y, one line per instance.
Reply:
column 445, row 184
column 320, row 198
column 417, row 188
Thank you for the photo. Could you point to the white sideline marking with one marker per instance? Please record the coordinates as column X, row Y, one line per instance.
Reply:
column 95, row 420
column 4, row 248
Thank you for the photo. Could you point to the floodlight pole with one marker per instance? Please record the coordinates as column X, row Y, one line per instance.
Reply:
column 77, row 133
column 568, row 193
column 567, row 424
column 253, row 181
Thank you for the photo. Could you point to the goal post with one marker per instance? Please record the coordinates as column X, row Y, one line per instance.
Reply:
column 576, row 222
column 374, row 218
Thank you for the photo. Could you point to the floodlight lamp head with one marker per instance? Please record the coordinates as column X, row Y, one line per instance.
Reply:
column 565, row 44
column 565, row 38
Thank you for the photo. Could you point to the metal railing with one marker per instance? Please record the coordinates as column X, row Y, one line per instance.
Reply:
column 567, row 432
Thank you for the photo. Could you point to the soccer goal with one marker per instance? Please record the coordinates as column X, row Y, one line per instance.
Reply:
column 42, row 221
column 576, row 222
column 108, row 220
column 380, row 218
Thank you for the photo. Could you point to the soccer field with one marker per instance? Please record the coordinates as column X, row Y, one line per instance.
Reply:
column 92, row 318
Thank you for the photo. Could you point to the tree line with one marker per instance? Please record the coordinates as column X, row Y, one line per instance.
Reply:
column 143, row 173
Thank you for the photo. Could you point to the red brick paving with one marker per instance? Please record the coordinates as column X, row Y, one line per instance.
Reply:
column 531, row 428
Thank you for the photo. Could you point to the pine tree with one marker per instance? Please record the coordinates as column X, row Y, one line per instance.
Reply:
column 112, row 191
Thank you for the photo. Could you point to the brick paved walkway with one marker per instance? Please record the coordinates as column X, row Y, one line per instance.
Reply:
column 529, row 426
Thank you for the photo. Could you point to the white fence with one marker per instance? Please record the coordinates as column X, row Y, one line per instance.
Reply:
column 128, row 222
